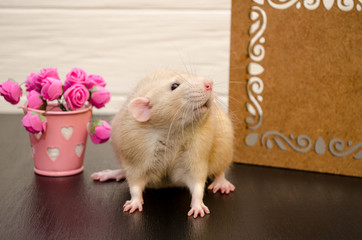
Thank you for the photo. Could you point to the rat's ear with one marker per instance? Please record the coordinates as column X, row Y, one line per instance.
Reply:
column 140, row 109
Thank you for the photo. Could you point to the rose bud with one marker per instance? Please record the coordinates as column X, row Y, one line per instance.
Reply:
column 33, row 82
column 11, row 91
column 34, row 122
column 75, row 76
column 99, row 131
column 99, row 97
column 51, row 89
column 76, row 96
column 95, row 80
column 48, row 72
column 34, row 100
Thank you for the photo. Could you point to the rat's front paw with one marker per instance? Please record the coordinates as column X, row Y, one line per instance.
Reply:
column 132, row 205
column 222, row 185
column 105, row 175
column 198, row 210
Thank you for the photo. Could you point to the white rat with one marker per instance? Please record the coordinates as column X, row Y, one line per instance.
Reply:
column 171, row 132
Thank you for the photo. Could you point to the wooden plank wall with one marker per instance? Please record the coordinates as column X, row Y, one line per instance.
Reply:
column 120, row 40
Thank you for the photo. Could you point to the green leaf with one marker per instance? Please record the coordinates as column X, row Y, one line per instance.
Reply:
column 41, row 116
column 94, row 125
column 94, row 89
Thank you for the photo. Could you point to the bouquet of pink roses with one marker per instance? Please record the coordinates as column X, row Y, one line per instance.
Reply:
column 45, row 88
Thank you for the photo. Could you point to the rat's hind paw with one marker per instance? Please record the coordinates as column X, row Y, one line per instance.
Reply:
column 133, row 205
column 222, row 185
column 198, row 209
column 105, row 175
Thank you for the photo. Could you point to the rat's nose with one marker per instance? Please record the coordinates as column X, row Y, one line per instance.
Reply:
column 208, row 84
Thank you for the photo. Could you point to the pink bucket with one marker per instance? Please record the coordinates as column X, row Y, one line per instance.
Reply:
column 59, row 151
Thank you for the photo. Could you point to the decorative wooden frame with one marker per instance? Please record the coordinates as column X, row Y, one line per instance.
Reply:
column 334, row 147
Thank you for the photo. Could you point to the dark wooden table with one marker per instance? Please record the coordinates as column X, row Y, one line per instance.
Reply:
column 268, row 203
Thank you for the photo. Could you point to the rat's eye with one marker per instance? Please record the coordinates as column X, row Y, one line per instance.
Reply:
column 174, row 86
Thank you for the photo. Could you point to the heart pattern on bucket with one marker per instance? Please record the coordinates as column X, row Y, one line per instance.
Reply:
column 67, row 132
column 79, row 149
column 53, row 153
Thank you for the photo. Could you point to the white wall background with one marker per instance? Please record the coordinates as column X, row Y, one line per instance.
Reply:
column 120, row 40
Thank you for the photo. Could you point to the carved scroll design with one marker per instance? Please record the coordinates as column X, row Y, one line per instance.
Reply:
column 337, row 148
column 255, row 86
column 256, row 52
column 303, row 144
column 343, row 5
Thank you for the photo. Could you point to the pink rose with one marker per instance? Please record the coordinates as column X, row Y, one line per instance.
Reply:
column 99, row 132
column 33, row 82
column 95, row 80
column 34, row 99
column 48, row 72
column 51, row 89
column 11, row 91
column 99, row 97
column 76, row 96
column 75, row 76
column 34, row 122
